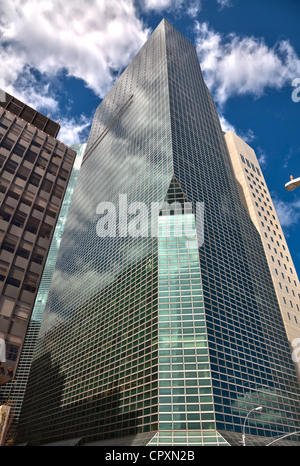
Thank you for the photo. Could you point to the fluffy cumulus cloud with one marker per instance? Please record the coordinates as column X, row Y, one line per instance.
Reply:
column 234, row 65
column 89, row 40
column 93, row 40
column 72, row 130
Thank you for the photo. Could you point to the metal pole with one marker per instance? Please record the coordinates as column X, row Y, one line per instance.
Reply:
column 287, row 435
column 259, row 408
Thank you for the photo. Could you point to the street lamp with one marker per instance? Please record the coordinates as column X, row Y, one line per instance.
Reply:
column 293, row 184
column 259, row 408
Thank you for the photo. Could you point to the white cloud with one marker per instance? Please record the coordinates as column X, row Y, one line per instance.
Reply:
column 247, row 136
column 234, row 65
column 74, row 130
column 34, row 92
column 288, row 212
column 224, row 3
column 191, row 7
column 89, row 40
column 159, row 5
column 294, row 150
column 194, row 8
column 262, row 157
column 226, row 126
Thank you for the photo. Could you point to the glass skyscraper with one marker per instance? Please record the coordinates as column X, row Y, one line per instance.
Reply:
column 164, row 331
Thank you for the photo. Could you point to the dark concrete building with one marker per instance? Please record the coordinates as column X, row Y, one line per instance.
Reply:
column 29, row 114
column 34, row 171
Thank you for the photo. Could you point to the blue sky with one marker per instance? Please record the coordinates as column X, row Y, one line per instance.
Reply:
column 62, row 56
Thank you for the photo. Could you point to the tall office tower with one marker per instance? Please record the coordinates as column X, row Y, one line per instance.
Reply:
column 34, row 173
column 154, row 333
column 15, row 393
column 257, row 200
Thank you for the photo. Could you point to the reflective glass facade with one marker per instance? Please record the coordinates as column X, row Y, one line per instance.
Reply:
column 148, row 334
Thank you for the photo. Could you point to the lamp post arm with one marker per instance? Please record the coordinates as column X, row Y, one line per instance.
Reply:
column 287, row 435
column 259, row 408
column 244, row 426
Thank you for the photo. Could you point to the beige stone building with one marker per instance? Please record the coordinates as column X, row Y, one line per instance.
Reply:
column 257, row 201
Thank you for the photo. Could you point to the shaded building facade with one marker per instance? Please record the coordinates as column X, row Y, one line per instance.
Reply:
column 150, row 336
column 34, row 172
column 15, row 393
column 29, row 114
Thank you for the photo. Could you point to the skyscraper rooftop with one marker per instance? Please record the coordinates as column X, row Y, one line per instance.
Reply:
column 29, row 114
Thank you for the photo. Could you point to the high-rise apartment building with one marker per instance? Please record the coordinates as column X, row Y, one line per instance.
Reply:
column 257, row 200
column 34, row 172
column 162, row 325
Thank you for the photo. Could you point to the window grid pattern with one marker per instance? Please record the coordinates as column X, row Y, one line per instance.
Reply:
column 98, row 372
column 34, row 173
column 248, row 346
column 98, row 344
column 189, row 438
column 185, row 392
column 16, row 393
